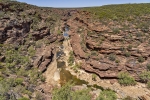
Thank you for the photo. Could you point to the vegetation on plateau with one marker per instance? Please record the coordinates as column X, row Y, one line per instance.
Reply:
column 120, row 12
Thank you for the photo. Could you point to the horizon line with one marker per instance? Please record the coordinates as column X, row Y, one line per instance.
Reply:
column 80, row 6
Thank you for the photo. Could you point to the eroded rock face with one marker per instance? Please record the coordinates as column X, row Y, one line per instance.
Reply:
column 41, row 33
column 75, row 43
column 104, row 70
column 13, row 29
column 43, row 57
column 106, row 50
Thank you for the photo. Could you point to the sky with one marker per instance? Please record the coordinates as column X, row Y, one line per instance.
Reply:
column 79, row 3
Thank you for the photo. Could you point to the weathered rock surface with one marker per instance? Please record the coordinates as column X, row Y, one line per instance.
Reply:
column 95, row 43
column 43, row 58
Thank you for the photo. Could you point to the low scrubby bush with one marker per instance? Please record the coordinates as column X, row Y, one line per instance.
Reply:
column 141, row 59
column 71, row 58
column 125, row 79
column 145, row 76
column 148, row 66
column 112, row 57
column 107, row 95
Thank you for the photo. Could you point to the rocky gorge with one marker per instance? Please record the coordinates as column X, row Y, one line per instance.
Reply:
column 102, row 49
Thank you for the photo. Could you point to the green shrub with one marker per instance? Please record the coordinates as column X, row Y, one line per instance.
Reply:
column 76, row 67
column 116, row 30
column 148, row 66
column 39, row 96
column 22, row 72
column 4, row 88
column 64, row 93
column 46, row 41
column 122, row 48
column 102, row 38
column 23, row 98
column 141, row 59
column 39, row 44
column 18, row 81
column 2, row 14
column 148, row 84
column 128, row 98
column 71, row 58
column 81, row 95
column 144, row 26
column 139, row 34
column 94, row 53
column 42, row 78
column 145, row 76
column 107, row 95
column 1, row 78
column 129, row 47
column 27, row 92
column 34, row 75
column 112, row 57
column 117, row 61
column 89, row 33
column 58, row 32
column 125, row 79
column 31, row 51
column 127, row 54
column 2, row 97
column 94, row 77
